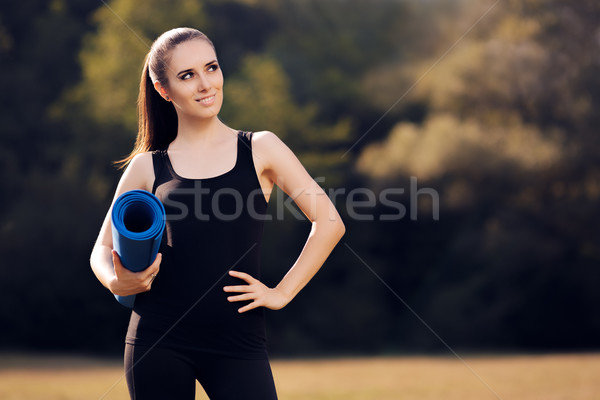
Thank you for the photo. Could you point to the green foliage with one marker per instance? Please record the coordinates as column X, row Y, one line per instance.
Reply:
column 259, row 98
column 508, row 125
column 446, row 146
column 112, row 57
column 504, row 128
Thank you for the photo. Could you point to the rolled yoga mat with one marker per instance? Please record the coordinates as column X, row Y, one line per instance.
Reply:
column 138, row 222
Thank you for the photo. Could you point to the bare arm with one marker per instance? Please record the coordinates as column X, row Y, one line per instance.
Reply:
column 279, row 164
column 104, row 261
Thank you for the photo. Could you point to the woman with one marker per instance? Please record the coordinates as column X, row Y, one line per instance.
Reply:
column 199, row 309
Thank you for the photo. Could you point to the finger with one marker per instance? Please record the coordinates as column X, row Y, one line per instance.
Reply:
column 151, row 279
column 249, row 307
column 241, row 288
column 154, row 267
column 241, row 297
column 242, row 275
column 149, row 284
column 118, row 266
column 157, row 261
column 148, row 281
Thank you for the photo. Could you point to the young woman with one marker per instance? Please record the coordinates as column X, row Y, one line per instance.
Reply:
column 199, row 309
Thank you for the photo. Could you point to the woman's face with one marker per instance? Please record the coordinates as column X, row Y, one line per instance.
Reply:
column 195, row 80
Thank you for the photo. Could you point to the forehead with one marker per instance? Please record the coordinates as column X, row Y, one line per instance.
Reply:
column 192, row 53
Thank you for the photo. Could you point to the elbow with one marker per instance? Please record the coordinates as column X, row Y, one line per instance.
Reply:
column 340, row 229
column 92, row 257
column 93, row 260
column 96, row 256
column 331, row 228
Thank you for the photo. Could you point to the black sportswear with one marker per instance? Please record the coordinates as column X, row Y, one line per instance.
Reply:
column 213, row 225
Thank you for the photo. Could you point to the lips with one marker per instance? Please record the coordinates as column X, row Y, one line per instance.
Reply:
column 207, row 101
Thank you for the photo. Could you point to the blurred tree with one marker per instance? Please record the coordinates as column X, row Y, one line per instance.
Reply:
column 238, row 28
column 113, row 56
column 39, row 41
column 259, row 98
column 504, row 128
column 101, row 107
column 510, row 146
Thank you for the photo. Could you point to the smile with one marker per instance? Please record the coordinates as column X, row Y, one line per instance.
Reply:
column 206, row 100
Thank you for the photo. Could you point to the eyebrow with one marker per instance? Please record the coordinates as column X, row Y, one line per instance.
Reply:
column 191, row 69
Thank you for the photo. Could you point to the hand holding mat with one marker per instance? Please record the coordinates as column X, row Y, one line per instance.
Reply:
column 138, row 222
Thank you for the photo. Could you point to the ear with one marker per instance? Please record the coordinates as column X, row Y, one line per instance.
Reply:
column 161, row 90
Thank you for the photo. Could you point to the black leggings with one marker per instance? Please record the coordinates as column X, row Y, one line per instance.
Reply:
column 165, row 374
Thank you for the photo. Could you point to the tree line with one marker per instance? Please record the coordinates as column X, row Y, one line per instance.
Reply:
column 485, row 110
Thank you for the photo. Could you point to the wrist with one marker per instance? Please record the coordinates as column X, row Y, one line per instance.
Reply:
column 287, row 296
column 112, row 284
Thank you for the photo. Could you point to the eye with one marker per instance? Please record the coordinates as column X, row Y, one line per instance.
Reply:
column 213, row 67
column 186, row 76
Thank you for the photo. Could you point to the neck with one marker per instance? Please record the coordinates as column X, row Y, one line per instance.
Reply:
column 199, row 132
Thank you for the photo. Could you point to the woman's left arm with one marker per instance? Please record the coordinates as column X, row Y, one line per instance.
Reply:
column 278, row 163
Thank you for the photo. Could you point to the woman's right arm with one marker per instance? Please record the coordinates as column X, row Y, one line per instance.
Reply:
column 104, row 260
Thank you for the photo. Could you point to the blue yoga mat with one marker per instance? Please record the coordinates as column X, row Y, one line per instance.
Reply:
column 138, row 222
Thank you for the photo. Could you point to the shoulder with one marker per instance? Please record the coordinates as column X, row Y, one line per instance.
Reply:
column 267, row 141
column 141, row 161
column 271, row 151
column 140, row 170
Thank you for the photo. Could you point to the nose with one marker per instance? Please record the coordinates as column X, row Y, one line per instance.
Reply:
column 203, row 83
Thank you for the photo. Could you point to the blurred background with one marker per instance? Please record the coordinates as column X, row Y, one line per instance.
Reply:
column 492, row 106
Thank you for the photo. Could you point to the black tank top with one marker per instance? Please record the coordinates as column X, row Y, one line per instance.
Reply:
column 213, row 225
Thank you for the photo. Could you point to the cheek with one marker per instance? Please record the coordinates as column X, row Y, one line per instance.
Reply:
column 180, row 89
column 218, row 81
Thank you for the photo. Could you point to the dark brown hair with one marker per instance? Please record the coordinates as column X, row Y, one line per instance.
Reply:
column 157, row 119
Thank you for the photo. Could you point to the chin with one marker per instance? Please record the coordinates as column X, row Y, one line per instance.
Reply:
column 209, row 112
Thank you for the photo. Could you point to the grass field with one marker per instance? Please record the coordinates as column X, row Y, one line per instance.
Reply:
column 546, row 377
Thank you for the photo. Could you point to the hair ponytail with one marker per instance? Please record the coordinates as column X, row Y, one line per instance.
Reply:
column 157, row 118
